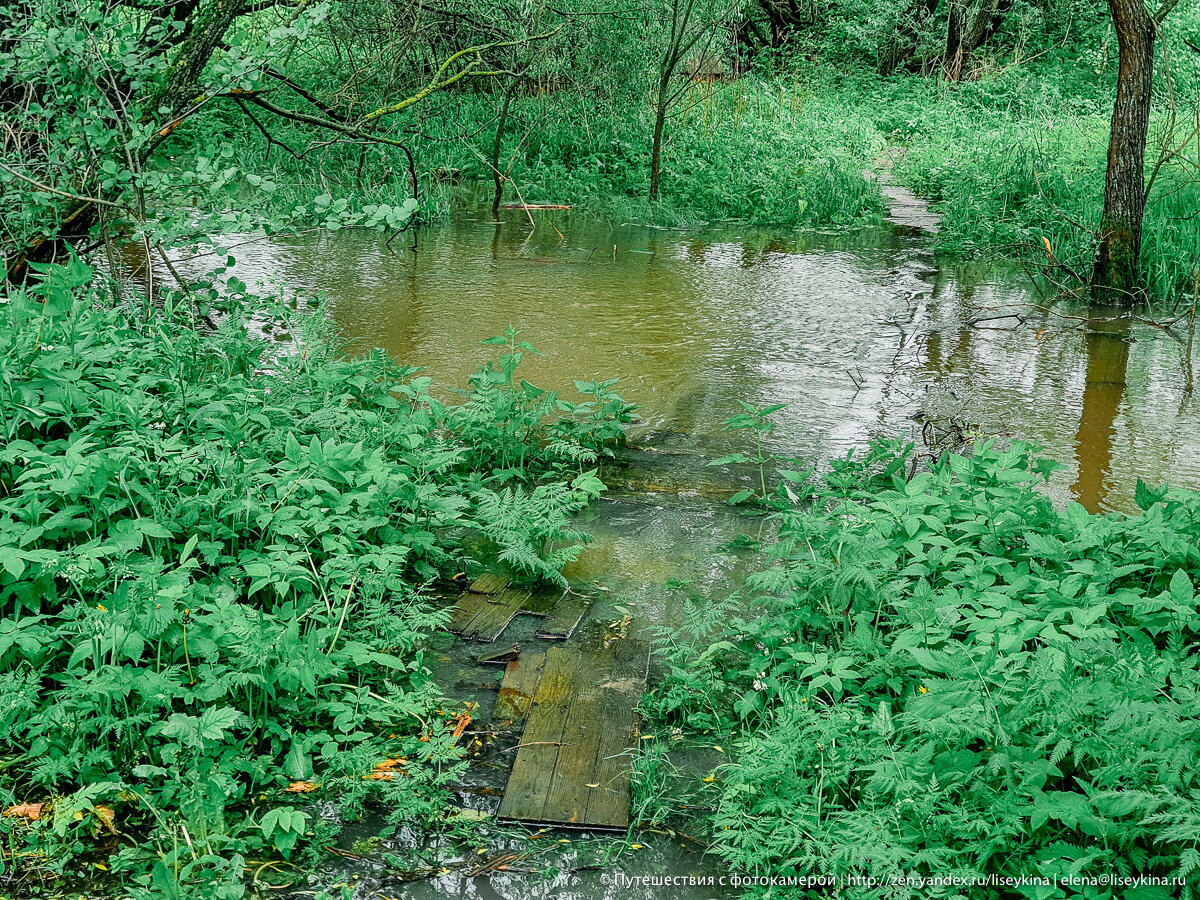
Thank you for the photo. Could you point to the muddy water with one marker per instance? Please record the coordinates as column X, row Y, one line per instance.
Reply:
column 859, row 333
column 864, row 335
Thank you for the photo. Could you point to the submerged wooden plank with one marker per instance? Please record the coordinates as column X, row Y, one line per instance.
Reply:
column 489, row 583
column 502, row 658
column 525, row 793
column 543, row 601
column 573, row 767
column 493, row 616
column 465, row 610
column 521, row 678
column 566, row 618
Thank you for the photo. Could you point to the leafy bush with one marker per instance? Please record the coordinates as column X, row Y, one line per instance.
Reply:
column 949, row 676
column 211, row 563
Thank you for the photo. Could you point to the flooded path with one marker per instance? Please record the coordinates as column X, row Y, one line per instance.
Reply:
column 864, row 335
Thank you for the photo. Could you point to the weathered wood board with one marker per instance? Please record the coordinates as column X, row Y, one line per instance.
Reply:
column 574, row 762
column 521, row 677
column 543, row 601
column 489, row 583
column 565, row 618
column 483, row 617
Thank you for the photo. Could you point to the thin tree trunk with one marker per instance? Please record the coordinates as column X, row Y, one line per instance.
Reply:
column 1115, row 275
column 499, row 179
column 660, row 119
column 966, row 33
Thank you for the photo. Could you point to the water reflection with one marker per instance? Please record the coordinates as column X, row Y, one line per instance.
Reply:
column 1103, row 390
column 860, row 333
column 857, row 332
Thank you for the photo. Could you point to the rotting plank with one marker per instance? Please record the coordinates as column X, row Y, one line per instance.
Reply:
column 502, row 658
column 611, row 799
column 543, row 601
column 521, row 677
column 566, row 618
column 467, row 607
column 543, row 733
column 489, row 583
column 572, row 767
column 491, row 616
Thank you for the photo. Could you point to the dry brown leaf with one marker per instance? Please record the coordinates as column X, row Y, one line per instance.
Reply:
column 107, row 817
column 31, row 811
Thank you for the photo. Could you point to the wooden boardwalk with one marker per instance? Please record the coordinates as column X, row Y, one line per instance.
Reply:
column 574, row 760
column 487, row 607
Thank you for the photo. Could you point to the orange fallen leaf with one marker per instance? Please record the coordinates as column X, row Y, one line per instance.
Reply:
column 301, row 787
column 31, row 811
column 107, row 817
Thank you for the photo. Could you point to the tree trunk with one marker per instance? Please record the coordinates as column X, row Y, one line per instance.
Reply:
column 966, row 32
column 903, row 43
column 168, row 106
column 660, row 119
column 1115, row 275
column 499, row 179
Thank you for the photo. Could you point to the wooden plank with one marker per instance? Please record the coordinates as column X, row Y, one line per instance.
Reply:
column 493, row 616
column 572, row 767
column 489, row 583
column 566, row 618
column 543, row 601
column 543, row 732
column 502, row 658
column 609, row 803
column 568, row 787
column 521, row 678
column 465, row 610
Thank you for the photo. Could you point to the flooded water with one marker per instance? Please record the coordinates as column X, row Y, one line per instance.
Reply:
column 864, row 335
column 861, row 334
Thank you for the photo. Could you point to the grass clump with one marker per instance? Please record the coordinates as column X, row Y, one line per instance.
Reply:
column 949, row 676
column 213, row 573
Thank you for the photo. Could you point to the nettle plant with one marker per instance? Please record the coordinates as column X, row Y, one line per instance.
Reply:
column 211, row 571
column 949, row 675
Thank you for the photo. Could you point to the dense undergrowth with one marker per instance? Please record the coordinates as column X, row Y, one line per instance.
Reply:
column 948, row 676
column 215, row 574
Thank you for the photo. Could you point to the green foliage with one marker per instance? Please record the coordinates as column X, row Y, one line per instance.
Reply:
column 211, row 570
column 948, row 675
column 513, row 429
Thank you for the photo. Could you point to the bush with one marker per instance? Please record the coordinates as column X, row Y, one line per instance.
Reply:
column 212, row 562
column 948, row 676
